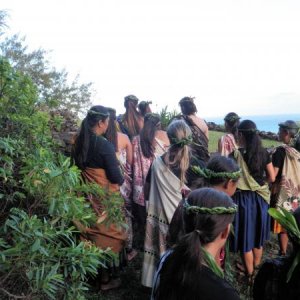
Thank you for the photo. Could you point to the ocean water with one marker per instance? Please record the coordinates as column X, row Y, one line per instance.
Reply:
column 263, row 123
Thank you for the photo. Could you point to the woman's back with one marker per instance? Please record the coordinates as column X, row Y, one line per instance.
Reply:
column 189, row 270
column 207, row 285
column 124, row 150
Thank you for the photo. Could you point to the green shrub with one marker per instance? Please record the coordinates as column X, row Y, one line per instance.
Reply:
column 41, row 194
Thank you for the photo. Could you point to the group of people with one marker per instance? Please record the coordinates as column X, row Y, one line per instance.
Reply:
column 180, row 200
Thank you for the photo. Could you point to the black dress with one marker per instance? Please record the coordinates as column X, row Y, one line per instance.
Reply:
column 207, row 286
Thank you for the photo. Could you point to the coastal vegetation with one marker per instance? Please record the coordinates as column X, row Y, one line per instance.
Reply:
column 42, row 195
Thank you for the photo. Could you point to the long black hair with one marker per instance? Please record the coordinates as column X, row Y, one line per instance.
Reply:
column 232, row 121
column 82, row 143
column 254, row 152
column 111, row 133
column 147, row 135
column 178, row 276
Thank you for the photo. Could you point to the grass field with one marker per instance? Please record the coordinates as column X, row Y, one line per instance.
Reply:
column 215, row 135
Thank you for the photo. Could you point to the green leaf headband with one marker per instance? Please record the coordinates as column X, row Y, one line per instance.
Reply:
column 92, row 112
column 231, row 118
column 208, row 174
column 182, row 142
column 218, row 210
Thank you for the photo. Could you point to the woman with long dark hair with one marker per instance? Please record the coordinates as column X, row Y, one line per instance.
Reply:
column 132, row 122
column 151, row 142
column 252, row 223
column 229, row 142
column 96, row 158
column 124, row 154
column 169, row 176
column 190, row 269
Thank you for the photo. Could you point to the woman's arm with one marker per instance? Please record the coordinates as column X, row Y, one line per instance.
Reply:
column 270, row 172
column 111, row 164
column 276, row 170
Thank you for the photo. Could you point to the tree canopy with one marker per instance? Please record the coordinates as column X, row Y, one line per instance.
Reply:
column 55, row 90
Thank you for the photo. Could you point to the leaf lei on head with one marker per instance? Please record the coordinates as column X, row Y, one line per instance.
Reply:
column 208, row 174
column 288, row 222
column 182, row 142
column 232, row 118
column 218, row 210
column 92, row 112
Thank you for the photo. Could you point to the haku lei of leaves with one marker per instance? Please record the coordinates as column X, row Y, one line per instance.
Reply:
column 232, row 118
column 208, row 174
column 218, row 210
column 211, row 263
column 183, row 141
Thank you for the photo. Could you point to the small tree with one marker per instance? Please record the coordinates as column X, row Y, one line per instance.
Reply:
column 54, row 89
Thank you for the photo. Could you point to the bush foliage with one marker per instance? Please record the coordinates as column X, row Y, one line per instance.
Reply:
column 41, row 194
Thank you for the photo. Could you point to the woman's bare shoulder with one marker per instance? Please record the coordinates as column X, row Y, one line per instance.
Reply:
column 123, row 138
column 162, row 135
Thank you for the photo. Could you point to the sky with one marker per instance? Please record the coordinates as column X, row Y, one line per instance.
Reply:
column 241, row 56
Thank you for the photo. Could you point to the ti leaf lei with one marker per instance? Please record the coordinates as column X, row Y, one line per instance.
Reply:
column 211, row 263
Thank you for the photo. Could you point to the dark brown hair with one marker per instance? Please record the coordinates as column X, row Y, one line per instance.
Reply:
column 111, row 132
column 80, row 150
column 187, row 106
column 232, row 122
column 147, row 135
column 182, row 267
column 132, row 116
